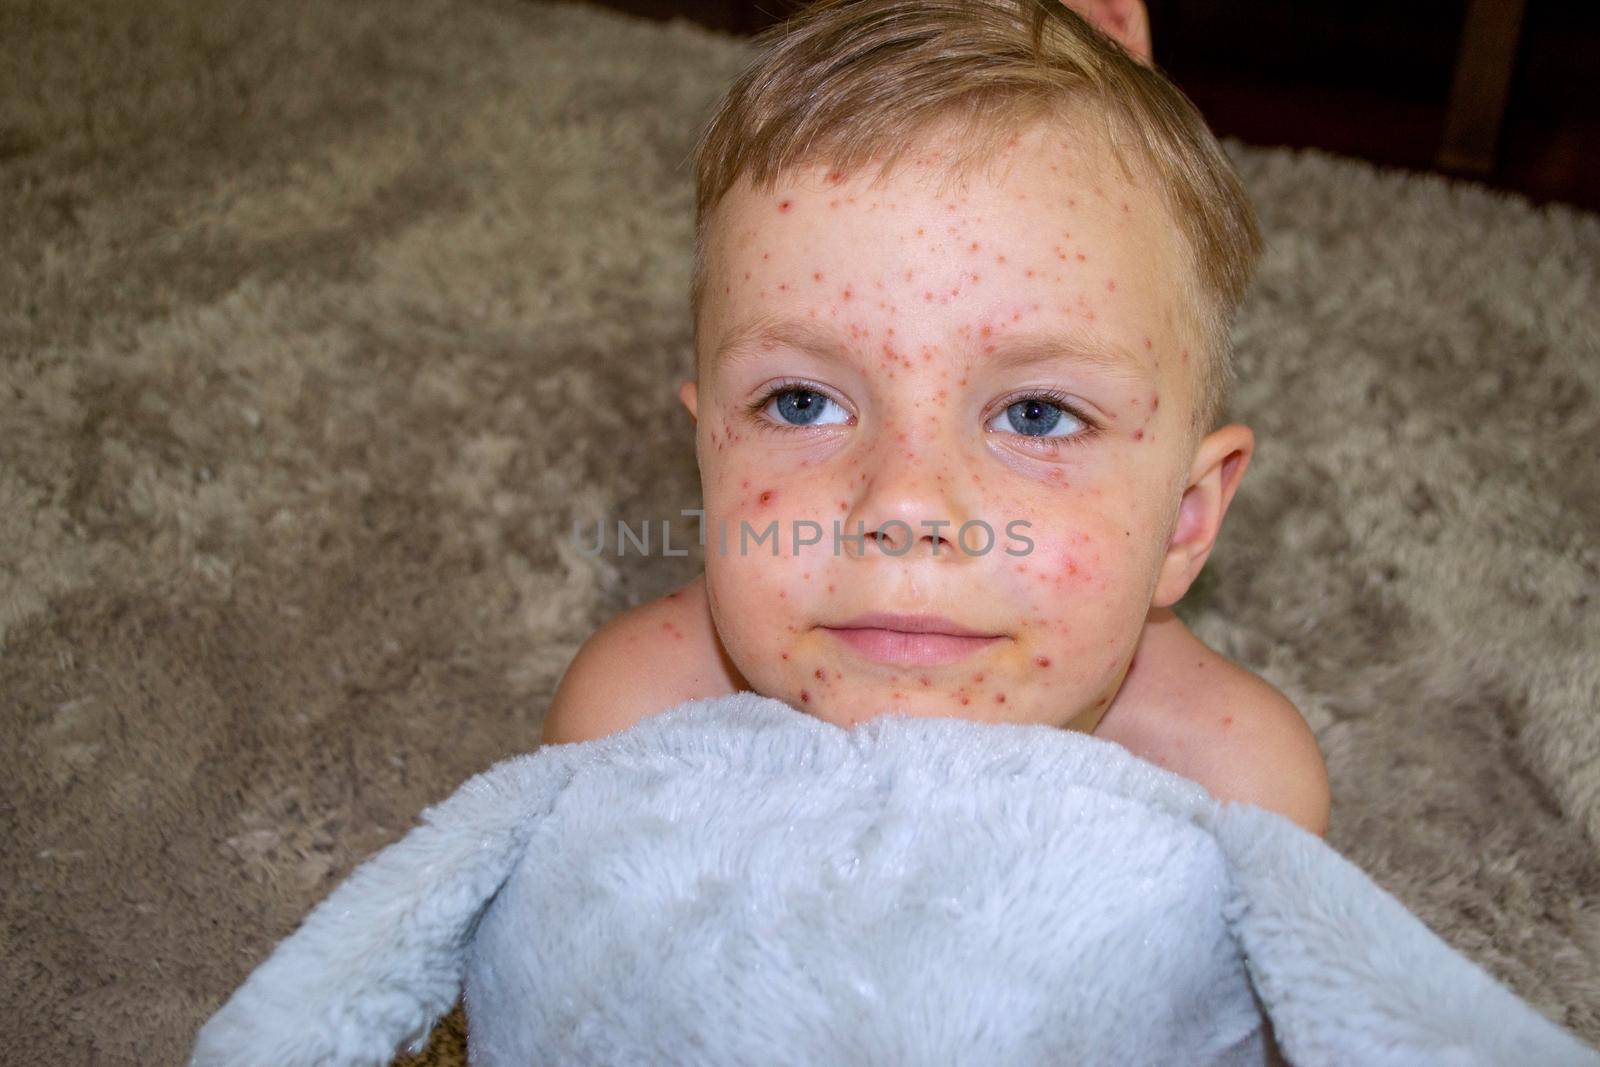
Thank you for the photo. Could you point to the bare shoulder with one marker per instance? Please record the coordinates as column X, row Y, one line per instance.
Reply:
column 1264, row 753
column 1197, row 713
column 645, row 660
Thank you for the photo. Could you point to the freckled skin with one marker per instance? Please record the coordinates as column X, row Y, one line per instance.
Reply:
column 916, row 429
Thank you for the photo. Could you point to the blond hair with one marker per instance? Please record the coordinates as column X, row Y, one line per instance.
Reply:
column 846, row 82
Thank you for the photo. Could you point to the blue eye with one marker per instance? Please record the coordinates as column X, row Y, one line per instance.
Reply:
column 1040, row 416
column 800, row 406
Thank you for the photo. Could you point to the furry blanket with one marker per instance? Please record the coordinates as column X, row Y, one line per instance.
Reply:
column 323, row 323
column 735, row 882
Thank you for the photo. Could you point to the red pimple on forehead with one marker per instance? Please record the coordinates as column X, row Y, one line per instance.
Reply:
column 1138, row 435
column 820, row 676
column 835, row 177
column 786, row 205
column 1082, row 258
column 1043, row 661
column 767, row 495
column 999, row 698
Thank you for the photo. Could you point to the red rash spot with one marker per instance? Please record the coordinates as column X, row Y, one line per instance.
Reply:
column 766, row 497
column 1138, row 435
column 965, row 701
column 1111, row 286
column 819, row 675
column 848, row 294
column 835, row 177
column 1186, row 355
column 974, row 247
column 919, row 231
column 925, row 680
column 785, row 655
column 805, row 696
column 1155, row 402
column 1029, row 273
column 786, row 205
column 1227, row 720
column 977, row 678
column 999, row 698
column 1147, row 344
column 816, row 277
column 1043, row 661
column 830, row 587
column 1082, row 258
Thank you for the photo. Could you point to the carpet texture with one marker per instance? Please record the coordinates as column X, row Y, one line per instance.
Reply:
column 323, row 323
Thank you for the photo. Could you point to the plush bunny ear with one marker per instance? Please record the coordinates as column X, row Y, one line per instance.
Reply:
column 377, row 962
column 1348, row 975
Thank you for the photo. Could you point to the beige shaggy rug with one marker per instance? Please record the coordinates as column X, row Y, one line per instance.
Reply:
column 323, row 322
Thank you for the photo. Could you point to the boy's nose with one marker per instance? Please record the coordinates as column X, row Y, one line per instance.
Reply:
column 912, row 503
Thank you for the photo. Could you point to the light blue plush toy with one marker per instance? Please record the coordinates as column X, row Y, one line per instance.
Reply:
column 735, row 882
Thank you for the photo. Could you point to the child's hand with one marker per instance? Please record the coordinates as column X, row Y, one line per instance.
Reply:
column 1125, row 21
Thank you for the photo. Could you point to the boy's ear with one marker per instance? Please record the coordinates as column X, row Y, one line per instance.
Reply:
column 1214, row 476
column 687, row 393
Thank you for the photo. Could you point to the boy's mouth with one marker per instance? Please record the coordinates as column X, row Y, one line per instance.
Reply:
column 911, row 639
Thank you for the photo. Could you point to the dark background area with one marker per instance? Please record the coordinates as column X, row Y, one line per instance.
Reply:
column 1378, row 82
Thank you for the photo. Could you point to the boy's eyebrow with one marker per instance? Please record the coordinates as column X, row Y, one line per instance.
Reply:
column 1070, row 344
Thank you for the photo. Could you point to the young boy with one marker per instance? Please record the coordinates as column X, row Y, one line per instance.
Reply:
column 1018, row 326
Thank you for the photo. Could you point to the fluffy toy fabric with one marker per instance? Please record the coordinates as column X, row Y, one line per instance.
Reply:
column 733, row 882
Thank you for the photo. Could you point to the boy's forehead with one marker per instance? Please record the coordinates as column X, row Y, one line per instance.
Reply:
column 1053, row 195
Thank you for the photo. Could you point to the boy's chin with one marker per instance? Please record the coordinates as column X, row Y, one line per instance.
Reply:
column 847, row 710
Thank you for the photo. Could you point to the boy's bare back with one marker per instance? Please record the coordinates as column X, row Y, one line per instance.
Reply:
column 1181, row 706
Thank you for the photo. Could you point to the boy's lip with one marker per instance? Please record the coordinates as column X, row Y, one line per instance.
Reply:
column 907, row 648
column 911, row 640
column 909, row 624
